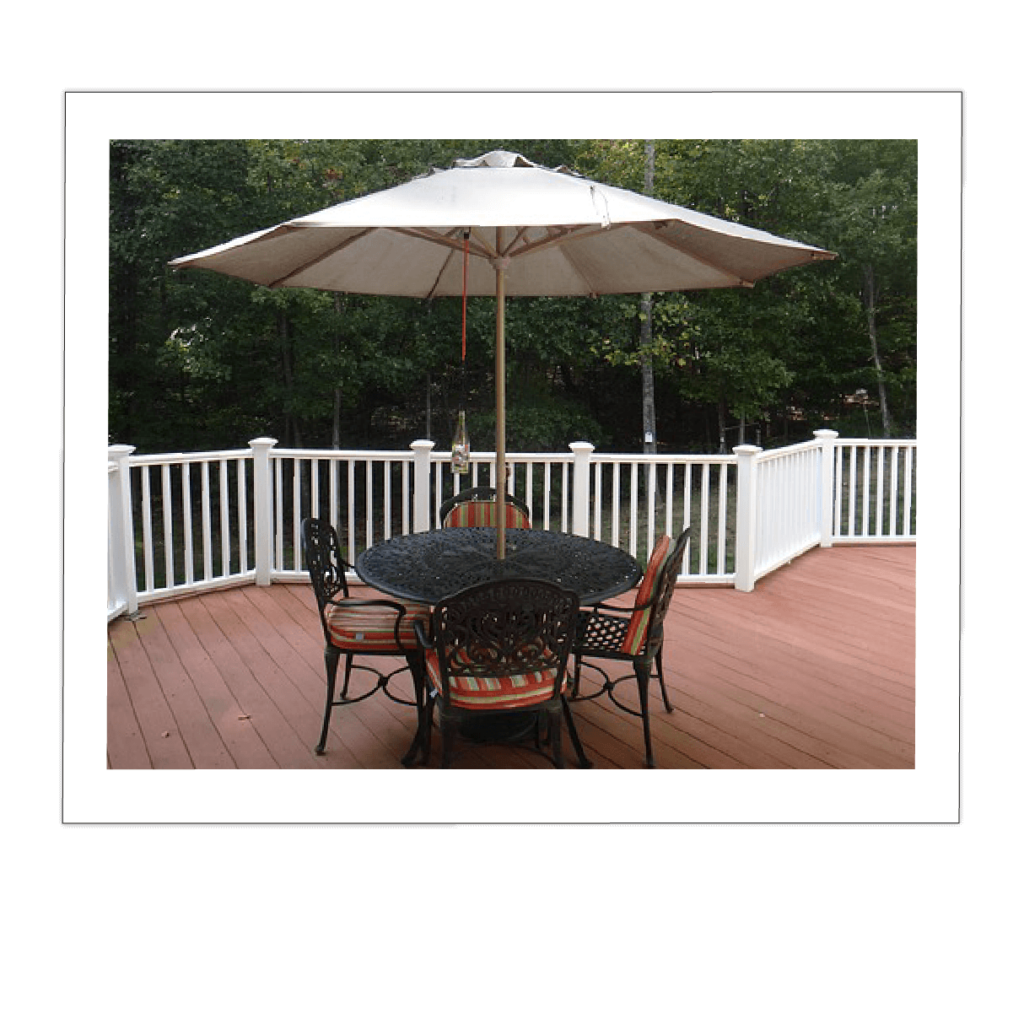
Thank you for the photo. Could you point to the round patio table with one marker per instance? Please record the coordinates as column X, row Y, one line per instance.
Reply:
column 431, row 566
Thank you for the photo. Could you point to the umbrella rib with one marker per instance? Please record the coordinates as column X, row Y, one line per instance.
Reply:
column 453, row 241
column 561, row 235
column 483, row 248
column 444, row 266
column 511, row 245
column 650, row 229
column 567, row 254
column 318, row 259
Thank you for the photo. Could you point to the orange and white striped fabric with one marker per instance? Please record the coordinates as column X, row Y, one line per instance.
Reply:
column 496, row 692
column 636, row 632
column 372, row 627
column 485, row 513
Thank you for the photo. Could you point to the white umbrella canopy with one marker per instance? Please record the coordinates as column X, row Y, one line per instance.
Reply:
column 532, row 231
column 562, row 234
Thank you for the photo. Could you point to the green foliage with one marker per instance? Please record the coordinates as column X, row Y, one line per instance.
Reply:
column 200, row 361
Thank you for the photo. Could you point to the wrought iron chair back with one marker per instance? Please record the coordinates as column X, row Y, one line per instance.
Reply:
column 664, row 588
column 635, row 635
column 499, row 651
column 481, row 511
column 371, row 627
column 324, row 562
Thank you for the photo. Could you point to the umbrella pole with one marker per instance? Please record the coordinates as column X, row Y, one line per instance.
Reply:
column 499, row 396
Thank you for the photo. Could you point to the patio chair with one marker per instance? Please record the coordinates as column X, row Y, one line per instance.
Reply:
column 371, row 627
column 496, row 657
column 635, row 636
column 477, row 506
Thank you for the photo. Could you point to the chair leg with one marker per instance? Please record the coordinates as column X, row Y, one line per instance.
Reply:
column 348, row 675
column 447, row 739
column 661, row 679
column 555, row 730
column 331, row 664
column 642, row 679
column 428, row 727
column 581, row 757
column 417, row 669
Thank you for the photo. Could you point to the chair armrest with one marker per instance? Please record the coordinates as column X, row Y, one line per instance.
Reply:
column 421, row 635
column 603, row 606
column 351, row 602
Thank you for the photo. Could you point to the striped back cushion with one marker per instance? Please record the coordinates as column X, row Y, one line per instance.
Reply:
column 636, row 635
column 485, row 513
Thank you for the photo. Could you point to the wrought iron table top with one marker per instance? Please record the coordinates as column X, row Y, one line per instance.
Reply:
column 431, row 566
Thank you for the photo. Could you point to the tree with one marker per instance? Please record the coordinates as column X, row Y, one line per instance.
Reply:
column 874, row 217
column 201, row 361
column 165, row 198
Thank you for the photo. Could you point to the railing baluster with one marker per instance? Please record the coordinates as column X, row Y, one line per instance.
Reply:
column 866, row 494
column 616, row 499
column 225, row 520
column 167, row 512
column 705, row 487
column 652, row 480
column 207, row 529
column 279, row 514
column 147, row 529
column 908, row 469
column 894, row 488
column 298, row 468
column 722, row 509
column 368, row 472
column 314, row 488
column 186, row 521
column 243, row 516
column 351, row 466
column 688, row 502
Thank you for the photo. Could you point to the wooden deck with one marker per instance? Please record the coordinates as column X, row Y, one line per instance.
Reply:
column 814, row 669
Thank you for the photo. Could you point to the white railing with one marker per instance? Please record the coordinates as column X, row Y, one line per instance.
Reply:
column 875, row 486
column 190, row 522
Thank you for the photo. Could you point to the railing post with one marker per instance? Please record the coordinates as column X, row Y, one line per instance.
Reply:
column 263, row 508
column 581, row 450
column 122, row 535
column 421, row 516
column 746, row 515
column 827, row 439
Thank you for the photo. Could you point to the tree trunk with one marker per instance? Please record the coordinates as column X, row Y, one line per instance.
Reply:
column 291, row 424
column 336, row 416
column 870, row 300
column 429, row 435
column 646, row 366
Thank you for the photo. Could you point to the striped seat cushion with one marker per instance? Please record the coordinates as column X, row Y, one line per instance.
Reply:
column 493, row 692
column 485, row 513
column 372, row 627
column 636, row 634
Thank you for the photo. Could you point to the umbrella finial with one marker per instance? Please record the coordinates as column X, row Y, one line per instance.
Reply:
column 497, row 158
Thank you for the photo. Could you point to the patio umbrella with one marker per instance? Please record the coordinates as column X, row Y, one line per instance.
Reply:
column 532, row 231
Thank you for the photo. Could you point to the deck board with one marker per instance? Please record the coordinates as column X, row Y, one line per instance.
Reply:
column 813, row 669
